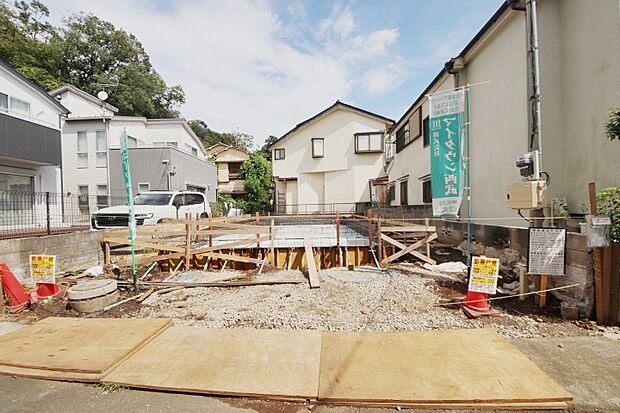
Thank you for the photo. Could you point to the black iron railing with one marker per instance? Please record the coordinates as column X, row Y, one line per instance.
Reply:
column 27, row 214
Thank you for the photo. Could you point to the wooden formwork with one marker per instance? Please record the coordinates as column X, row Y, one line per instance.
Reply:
column 189, row 244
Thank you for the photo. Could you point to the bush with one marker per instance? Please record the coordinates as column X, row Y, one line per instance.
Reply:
column 608, row 203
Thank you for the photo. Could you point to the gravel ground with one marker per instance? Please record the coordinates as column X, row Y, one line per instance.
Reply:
column 402, row 298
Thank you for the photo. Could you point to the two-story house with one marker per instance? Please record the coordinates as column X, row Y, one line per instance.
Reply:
column 325, row 163
column 30, row 149
column 579, row 62
column 164, row 154
column 228, row 160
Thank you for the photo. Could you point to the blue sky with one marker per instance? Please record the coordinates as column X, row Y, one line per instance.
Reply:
column 263, row 66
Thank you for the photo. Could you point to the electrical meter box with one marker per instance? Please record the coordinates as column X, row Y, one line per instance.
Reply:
column 599, row 227
column 526, row 195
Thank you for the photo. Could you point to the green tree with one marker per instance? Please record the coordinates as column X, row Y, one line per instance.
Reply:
column 258, row 184
column 94, row 52
column 210, row 137
column 25, row 42
column 265, row 148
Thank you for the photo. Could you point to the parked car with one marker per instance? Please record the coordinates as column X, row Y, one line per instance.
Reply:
column 151, row 207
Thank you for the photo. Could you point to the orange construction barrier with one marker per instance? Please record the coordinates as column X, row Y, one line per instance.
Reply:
column 476, row 305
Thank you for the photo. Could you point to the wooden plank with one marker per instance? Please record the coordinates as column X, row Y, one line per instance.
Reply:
column 597, row 260
column 145, row 244
column 85, row 345
column 233, row 257
column 408, row 249
column 531, row 406
column 455, row 366
column 411, row 228
column 313, row 275
column 241, row 362
column 240, row 243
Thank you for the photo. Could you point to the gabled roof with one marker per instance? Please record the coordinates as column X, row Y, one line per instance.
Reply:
column 335, row 106
column 84, row 95
column 223, row 147
column 33, row 86
column 447, row 68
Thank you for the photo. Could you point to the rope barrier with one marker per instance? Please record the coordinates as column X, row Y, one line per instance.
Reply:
column 510, row 296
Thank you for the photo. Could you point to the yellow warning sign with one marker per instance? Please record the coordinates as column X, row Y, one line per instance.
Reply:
column 43, row 269
column 483, row 277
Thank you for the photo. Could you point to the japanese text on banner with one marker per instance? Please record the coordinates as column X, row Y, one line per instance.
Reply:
column 446, row 129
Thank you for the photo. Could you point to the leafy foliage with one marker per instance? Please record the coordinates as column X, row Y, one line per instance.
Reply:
column 265, row 148
column 210, row 137
column 85, row 52
column 608, row 203
column 258, row 184
column 612, row 129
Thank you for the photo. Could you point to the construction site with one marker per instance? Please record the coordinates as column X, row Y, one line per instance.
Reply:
column 292, row 313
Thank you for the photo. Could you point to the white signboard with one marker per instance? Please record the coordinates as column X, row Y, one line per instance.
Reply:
column 547, row 251
column 483, row 277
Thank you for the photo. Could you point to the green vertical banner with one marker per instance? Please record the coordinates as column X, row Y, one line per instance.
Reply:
column 446, row 128
column 132, row 216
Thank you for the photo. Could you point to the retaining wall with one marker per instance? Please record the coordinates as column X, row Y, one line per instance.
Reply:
column 510, row 245
column 74, row 251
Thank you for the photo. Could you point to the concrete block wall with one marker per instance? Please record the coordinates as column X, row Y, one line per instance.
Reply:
column 74, row 251
column 502, row 241
column 404, row 211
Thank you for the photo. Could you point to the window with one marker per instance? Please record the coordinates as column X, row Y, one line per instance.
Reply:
column 102, row 149
column 391, row 193
column 82, row 150
column 402, row 136
column 193, row 199
column 132, row 142
column 317, row 148
column 174, row 144
column 234, row 170
column 194, row 151
column 278, row 154
column 4, row 101
column 426, row 132
column 427, row 194
column 410, row 131
column 368, row 142
column 178, row 201
column 144, row 187
column 403, row 193
column 83, row 199
column 102, row 196
column 19, row 106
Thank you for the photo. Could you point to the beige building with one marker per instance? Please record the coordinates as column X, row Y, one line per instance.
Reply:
column 228, row 160
column 324, row 164
column 579, row 49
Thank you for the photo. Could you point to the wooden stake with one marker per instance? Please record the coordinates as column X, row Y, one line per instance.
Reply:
column 188, row 242
column 257, row 235
column 597, row 256
column 148, row 271
column 542, row 292
column 379, row 241
column 523, row 287
column 338, row 238
column 272, row 234
column 106, row 253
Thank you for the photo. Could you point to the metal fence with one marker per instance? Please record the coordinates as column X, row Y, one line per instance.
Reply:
column 27, row 214
column 320, row 209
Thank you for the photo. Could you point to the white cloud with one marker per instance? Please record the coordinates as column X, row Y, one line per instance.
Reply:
column 238, row 65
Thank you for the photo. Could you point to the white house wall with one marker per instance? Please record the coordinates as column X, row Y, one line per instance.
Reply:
column 42, row 111
column 340, row 162
column 81, row 107
column 498, row 116
column 578, row 89
column 414, row 160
